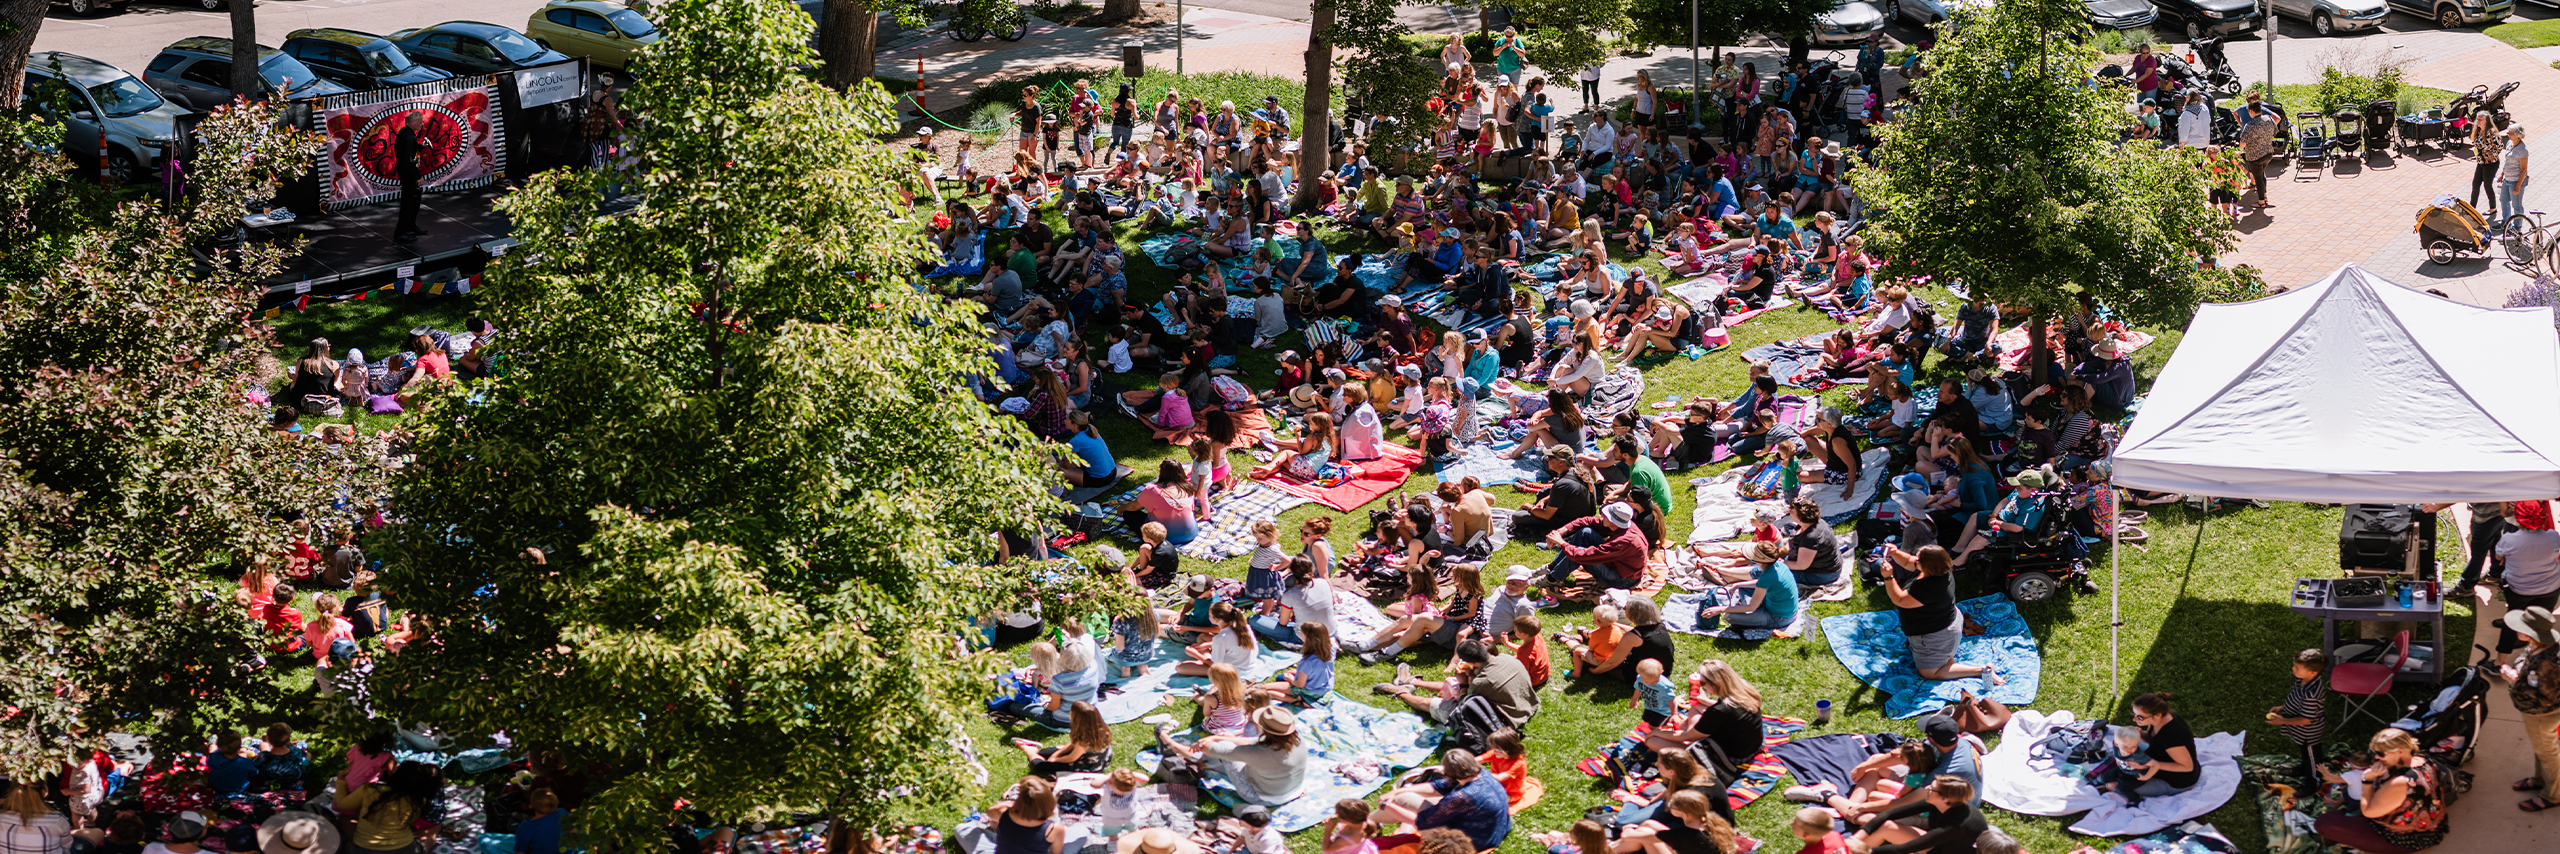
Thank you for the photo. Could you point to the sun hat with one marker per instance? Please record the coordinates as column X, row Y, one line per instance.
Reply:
column 2107, row 348
column 2534, row 623
column 1391, row 301
column 1304, row 396
column 1156, row 840
column 1910, row 480
column 1336, row 375
column 297, row 832
column 1619, row 513
column 1198, row 584
column 1411, row 372
column 188, row 825
column 1832, row 150
column 1273, row 720
column 1521, row 573
column 2035, row 478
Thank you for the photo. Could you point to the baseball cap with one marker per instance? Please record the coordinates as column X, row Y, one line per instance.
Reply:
column 1940, row 729
column 1619, row 513
column 1522, row 573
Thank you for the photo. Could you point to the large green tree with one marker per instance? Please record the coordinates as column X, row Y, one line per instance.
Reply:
column 135, row 477
column 1564, row 35
column 739, row 433
column 1393, row 85
column 2007, row 176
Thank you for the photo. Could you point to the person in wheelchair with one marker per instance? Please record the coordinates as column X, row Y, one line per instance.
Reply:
column 2019, row 515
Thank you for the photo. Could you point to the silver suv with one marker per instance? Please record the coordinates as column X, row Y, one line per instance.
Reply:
column 197, row 72
column 89, row 98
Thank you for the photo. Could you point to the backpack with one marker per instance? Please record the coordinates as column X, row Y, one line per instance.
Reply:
column 1185, row 254
column 1474, row 720
column 2076, row 743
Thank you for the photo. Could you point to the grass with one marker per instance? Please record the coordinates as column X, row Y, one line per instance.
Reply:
column 2525, row 34
column 2113, row 42
column 2203, row 608
column 377, row 324
column 2296, row 97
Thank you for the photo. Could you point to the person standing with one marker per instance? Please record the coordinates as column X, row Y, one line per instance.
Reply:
column 2195, row 122
column 2512, row 174
column 406, row 149
column 2529, row 561
column 1510, row 55
column 2258, row 124
column 1590, row 78
column 2484, row 152
column 604, row 119
column 2533, row 683
column 2146, row 75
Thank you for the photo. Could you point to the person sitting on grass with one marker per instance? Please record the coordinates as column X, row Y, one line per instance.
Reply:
column 1462, row 619
column 1270, row 770
column 1024, row 823
column 1943, row 819
column 1312, row 679
column 1729, row 720
column 1305, row 458
column 1767, row 602
column 1923, row 587
column 1463, row 798
column 1088, row 747
column 1474, row 671
column 1233, row 644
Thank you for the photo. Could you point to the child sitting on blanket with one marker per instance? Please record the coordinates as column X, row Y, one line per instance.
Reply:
column 1348, row 831
column 1259, row 836
column 1136, row 645
column 1117, row 809
column 1195, row 619
column 1313, row 678
column 1232, row 644
column 2123, row 775
column 1654, row 694
column 1222, row 702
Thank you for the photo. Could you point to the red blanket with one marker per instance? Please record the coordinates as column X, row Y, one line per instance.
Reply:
column 1374, row 478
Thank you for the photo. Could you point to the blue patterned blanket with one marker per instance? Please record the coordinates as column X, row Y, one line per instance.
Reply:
column 1872, row 646
column 1352, row 749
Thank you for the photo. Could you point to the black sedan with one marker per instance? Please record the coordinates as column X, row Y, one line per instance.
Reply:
column 471, row 47
column 360, row 61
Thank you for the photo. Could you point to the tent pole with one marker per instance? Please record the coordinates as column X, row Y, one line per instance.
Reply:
column 2115, row 597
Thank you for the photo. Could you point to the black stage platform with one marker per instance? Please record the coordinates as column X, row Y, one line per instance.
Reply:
column 352, row 250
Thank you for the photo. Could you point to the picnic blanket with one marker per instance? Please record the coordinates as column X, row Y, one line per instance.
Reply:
column 1830, row 758
column 1614, row 394
column 1759, row 775
column 1355, row 618
column 2288, row 804
column 1721, row 513
column 1228, row 533
column 1794, row 409
column 1842, row 501
column 1352, row 749
column 2013, row 345
column 1795, row 363
column 1129, row 699
column 2011, row 780
column 1252, row 426
column 970, row 260
column 1484, row 463
column 1872, row 646
column 1707, row 291
column 1368, row 481
column 1159, row 249
column 1680, row 614
column 1167, row 805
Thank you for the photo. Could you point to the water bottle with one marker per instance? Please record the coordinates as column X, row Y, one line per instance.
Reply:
column 2404, row 594
column 1821, row 712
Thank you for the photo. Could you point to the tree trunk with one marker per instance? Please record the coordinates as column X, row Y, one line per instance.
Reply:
column 19, row 20
column 244, row 49
column 849, row 43
column 1122, row 10
column 1315, row 120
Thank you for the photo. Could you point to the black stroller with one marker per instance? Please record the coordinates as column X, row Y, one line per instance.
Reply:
column 2349, row 137
column 2449, row 721
column 2379, row 119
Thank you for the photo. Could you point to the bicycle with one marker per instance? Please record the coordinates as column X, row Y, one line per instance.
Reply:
column 2532, row 246
column 972, row 20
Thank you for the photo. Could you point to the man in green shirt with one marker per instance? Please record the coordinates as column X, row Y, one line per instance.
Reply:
column 1643, row 471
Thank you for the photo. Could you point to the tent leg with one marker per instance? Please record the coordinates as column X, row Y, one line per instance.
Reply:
column 2115, row 598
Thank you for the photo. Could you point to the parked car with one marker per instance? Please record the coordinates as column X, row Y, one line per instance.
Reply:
column 1926, row 12
column 89, row 8
column 2121, row 14
column 1849, row 23
column 359, row 61
column 2336, row 16
column 197, row 72
column 2202, row 18
column 472, row 47
column 2458, row 13
column 605, row 33
column 88, row 98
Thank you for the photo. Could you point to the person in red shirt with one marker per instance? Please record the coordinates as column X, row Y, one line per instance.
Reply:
column 432, row 360
column 1531, row 648
column 1609, row 546
column 1813, row 825
column 282, row 620
column 1508, row 762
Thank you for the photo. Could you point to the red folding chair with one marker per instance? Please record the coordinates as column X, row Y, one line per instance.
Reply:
column 2364, row 682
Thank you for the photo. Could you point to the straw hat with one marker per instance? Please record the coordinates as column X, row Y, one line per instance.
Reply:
column 297, row 832
column 1273, row 720
column 2534, row 623
column 2107, row 348
column 1156, row 840
column 1304, row 396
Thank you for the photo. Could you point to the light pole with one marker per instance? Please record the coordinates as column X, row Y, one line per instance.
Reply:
column 2271, row 51
column 1697, row 96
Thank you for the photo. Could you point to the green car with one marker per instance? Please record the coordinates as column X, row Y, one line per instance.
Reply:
column 605, row 33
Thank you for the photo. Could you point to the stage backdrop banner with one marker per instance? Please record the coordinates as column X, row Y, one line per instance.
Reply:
column 465, row 138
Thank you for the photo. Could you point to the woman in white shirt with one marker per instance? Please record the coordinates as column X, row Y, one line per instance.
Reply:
column 1362, row 432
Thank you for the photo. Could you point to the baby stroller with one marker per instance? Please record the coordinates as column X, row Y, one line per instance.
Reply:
column 2449, row 721
column 2032, row 565
column 2313, row 142
column 2448, row 227
column 2379, row 117
column 2350, row 130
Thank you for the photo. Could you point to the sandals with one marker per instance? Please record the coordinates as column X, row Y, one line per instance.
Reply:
column 2536, row 804
column 2527, row 784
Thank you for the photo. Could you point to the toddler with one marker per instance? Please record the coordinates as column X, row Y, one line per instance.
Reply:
column 2127, row 772
column 1813, row 825
column 1262, row 575
column 1118, row 807
column 1347, row 832
column 1653, row 693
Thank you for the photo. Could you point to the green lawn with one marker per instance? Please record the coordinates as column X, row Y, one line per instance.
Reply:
column 2204, row 611
column 2542, row 33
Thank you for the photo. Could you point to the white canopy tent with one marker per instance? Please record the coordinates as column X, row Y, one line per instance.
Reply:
column 2354, row 389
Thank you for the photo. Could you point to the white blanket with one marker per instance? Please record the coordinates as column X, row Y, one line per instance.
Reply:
column 1841, row 498
column 2011, row 783
column 1722, row 513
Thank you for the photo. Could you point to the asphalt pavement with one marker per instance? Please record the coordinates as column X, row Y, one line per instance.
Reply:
column 128, row 39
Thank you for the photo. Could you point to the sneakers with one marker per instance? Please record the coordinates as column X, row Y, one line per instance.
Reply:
column 1374, row 658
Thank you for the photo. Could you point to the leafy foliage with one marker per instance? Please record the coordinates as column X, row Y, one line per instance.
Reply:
column 134, row 478
column 1394, row 86
column 2007, row 176
column 1565, row 35
column 736, row 427
column 1720, row 22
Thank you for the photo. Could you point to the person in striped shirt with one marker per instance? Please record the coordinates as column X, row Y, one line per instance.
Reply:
column 2303, row 715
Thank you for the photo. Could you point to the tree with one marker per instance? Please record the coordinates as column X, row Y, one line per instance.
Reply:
column 1315, row 119
column 849, row 37
column 1124, row 10
column 738, row 431
column 1720, row 22
column 245, row 81
column 1565, row 34
column 19, row 21
column 135, row 481
column 1392, row 85
column 2007, row 176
